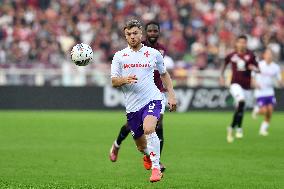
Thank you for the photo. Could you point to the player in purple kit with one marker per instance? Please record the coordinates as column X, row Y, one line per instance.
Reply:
column 242, row 62
column 152, row 35
column 264, row 82
column 132, row 70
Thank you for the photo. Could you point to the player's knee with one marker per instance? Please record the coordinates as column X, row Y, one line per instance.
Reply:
column 149, row 131
column 264, row 110
column 149, row 128
column 270, row 109
column 268, row 113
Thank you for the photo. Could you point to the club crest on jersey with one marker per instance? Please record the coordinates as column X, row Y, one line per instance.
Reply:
column 146, row 54
column 125, row 55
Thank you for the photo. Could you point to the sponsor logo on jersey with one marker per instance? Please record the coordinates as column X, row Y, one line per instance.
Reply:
column 137, row 65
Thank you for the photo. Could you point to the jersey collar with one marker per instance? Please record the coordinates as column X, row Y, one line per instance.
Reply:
column 140, row 50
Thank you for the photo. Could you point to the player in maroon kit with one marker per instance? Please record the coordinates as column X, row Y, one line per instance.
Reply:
column 242, row 62
column 152, row 34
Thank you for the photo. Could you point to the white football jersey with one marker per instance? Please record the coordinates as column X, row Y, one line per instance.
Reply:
column 141, row 64
column 266, row 78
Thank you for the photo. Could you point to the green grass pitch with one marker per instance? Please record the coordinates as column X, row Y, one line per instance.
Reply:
column 69, row 149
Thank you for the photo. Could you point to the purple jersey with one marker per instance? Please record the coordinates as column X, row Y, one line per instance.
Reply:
column 240, row 63
column 157, row 77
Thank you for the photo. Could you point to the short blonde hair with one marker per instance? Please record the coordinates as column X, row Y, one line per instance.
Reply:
column 131, row 24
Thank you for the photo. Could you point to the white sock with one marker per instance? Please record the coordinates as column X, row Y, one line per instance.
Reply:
column 153, row 145
column 264, row 126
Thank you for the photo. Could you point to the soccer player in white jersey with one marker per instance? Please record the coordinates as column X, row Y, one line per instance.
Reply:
column 132, row 69
column 152, row 33
column 270, row 73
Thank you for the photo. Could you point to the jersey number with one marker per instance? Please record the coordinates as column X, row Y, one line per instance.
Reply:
column 151, row 107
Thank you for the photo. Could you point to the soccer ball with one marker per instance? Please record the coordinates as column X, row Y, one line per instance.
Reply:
column 81, row 54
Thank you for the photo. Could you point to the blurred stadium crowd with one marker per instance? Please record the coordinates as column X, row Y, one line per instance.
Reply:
column 198, row 33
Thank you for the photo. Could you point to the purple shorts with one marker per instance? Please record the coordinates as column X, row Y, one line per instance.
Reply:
column 135, row 119
column 264, row 101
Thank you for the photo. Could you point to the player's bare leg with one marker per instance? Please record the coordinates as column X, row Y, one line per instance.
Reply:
column 260, row 110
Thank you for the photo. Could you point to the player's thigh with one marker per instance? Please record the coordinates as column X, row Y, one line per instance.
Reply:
column 237, row 93
column 151, row 114
column 270, row 108
column 149, row 124
column 263, row 109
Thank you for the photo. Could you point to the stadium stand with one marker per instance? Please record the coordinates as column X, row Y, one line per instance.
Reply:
column 37, row 34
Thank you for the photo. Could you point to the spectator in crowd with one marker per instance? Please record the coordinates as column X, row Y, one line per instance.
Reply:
column 33, row 31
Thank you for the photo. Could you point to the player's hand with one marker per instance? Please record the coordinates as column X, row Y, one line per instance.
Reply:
column 222, row 81
column 130, row 79
column 172, row 103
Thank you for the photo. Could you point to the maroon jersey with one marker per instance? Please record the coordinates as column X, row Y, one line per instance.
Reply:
column 157, row 76
column 240, row 63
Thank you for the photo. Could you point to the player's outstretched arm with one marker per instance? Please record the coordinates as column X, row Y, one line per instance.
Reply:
column 167, row 82
column 119, row 81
